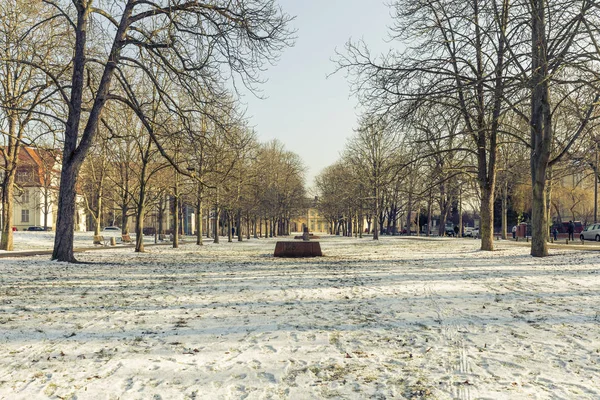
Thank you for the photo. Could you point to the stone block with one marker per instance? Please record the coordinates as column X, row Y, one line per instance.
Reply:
column 298, row 249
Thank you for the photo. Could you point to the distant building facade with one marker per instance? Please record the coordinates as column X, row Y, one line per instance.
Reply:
column 36, row 190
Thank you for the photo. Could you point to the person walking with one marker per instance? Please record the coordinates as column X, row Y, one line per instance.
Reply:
column 555, row 233
column 514, row 231
column 571, row 230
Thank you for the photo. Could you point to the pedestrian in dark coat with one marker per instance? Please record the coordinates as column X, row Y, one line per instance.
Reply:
column 571, row 230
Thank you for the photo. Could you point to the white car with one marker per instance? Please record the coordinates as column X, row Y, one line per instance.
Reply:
column 591, row 232
column 471, row 232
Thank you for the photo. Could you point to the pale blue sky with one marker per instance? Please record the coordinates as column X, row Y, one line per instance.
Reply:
column 310, row 113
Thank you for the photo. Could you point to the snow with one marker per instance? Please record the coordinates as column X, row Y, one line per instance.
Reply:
column 26, row 241
column 398, row 318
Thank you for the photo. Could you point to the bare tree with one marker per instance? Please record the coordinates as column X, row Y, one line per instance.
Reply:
column 374, row 153
column 239, row 35
column 23, row 92
column 455, row 58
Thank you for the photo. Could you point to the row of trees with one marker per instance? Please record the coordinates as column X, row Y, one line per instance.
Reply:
column 136, row 79
column 476, row 83
column 246, row 186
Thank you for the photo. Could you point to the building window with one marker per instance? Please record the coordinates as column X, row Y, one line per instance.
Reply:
column 24, row 215
column 25, row 196
column 22, row 176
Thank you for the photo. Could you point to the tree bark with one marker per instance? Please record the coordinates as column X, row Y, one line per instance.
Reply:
column 541, row 129
column 199, row 220
column 376, row 216
column 65, row 222
column 74, row 149
column 216, row 221
column 139, row 225
column 8, row 185
column 505, row 210
column 175, row 231
column 487, row 219
column 238, row 224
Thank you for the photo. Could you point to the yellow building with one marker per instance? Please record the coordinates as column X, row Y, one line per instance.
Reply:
column 316, row 222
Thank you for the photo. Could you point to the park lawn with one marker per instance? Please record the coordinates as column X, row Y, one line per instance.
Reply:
column 399, row 318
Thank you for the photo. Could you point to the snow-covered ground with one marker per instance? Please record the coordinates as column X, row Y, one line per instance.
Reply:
column 25, row 241
column 399, row 318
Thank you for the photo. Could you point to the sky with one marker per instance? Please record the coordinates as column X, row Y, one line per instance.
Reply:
column 311, row 113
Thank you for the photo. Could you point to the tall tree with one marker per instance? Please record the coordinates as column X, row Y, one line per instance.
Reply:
column 240, row 35
column 23, row 92
column 374, row 153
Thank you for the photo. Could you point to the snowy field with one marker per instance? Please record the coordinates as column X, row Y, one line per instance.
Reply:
column 402, row 318
column 25, row 241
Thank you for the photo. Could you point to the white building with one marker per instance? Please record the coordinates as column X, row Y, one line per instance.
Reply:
column 36, row 191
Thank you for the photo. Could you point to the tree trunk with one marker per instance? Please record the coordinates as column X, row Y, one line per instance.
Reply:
column 248, row 226
column 139, row 224
column 175, row 231
column 199, row 220
column 229, row 226
column 65, row 222
column 409, row 214
column 505, row 210
column 376, row 216
column 486, row 230
column 98, row 216
column 125, row 219
column 541, row 129
column 161, row 217
column 8, row 185
column 549, row 202
column 429, row 207
column 238, row 223
column 46, row 207
column 75, row 148
column 216, row 221
column 460, row 214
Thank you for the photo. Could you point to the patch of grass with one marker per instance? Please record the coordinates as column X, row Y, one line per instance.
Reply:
column 334, row 338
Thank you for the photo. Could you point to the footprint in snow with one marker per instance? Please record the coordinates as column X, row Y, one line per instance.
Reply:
column 268, row 349
column 267, row 377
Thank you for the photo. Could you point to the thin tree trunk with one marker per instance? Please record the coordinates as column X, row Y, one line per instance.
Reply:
column 429, row 206
column 139, row 223
column 505, row 210
column 229, row 226
column 238, row 228
column 199, row 220
column 376, row 216
column 161, row 217
column 175, row 231
column 216, row 221
column 7, row 210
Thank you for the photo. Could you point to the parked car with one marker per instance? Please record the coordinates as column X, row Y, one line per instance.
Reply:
column 468, row 231
column 449, row 229
column 36, row 228
column 111, row 229
column 591, row 232
column 149, row 230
